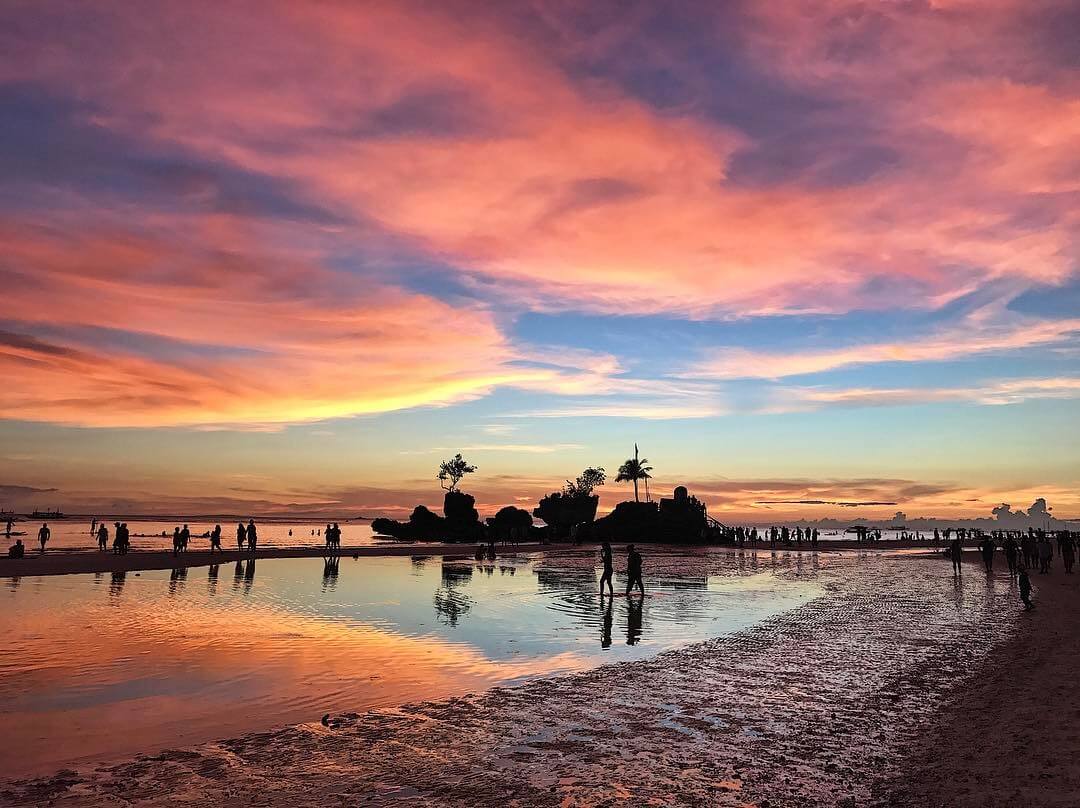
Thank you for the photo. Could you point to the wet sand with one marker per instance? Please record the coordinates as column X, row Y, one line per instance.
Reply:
column 67, row 562
column 1009, row 735
column 816, row 707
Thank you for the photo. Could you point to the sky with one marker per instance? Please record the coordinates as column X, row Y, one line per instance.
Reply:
column 815, row 258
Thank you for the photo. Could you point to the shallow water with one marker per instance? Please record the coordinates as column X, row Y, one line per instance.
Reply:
column 98, row 666
column 156, row 534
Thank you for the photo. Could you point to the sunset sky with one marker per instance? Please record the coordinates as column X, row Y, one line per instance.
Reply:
column 256, row 254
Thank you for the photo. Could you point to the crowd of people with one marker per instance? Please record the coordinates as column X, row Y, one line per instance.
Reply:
column 1023, row 551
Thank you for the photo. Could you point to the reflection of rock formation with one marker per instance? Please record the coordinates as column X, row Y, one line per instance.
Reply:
column 449, row 601
column 461, row 522
column 561, row 511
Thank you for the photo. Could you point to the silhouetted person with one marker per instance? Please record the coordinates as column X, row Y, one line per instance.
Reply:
column 17, row 550
column 1046, row 554
column 215, row 539
column 1025, row 589
column 176, row 540
column 987, row 548
column 633, row 570
column 1011, row 548
column 185, row 537
column 1027, row 545
column 633, row 621
column 241, row 535
column 609, row 569
column 102, row 537
column 7, row 531
column 1067, row 545
column 252, row 537
column 329, row 535
column 956, row 553
column 43, row 535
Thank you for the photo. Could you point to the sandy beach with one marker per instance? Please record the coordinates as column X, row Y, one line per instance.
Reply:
column 851, row 699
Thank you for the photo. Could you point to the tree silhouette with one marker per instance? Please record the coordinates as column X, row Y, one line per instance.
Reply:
column 633, row 470
column 585, row 483
column 453, row 470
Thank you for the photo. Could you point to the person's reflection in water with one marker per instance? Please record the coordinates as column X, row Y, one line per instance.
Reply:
column 605, row 634
column 177, row 578
column 633, row 621
column 238, row 575
column 211, row 579
column 13, row 582
column 116, row 585
column 330, row 572
column 249, row 575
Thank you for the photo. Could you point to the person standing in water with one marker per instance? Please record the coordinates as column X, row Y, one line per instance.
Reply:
column 185, row 537
column 241, row 536
column 102, row 537
column 215, row 539
column 609, row 569
column 177, row 541
column 633, row 570
column 43, row 535
column 252, row 536
column 1025, row 589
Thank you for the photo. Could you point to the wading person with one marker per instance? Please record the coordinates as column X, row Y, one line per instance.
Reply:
column 215, row 539
column 609, row 569
column 43, row 535
column 633, row 571
column 241, row 536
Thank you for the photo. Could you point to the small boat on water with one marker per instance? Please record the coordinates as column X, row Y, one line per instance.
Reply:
column 57, row 514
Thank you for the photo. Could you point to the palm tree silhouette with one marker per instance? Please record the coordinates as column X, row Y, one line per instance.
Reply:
column 633, row 470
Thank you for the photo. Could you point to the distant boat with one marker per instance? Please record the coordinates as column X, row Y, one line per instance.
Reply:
column 57, row 514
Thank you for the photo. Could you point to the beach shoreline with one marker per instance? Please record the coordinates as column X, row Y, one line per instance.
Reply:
column 775, row 714
column 89, row 560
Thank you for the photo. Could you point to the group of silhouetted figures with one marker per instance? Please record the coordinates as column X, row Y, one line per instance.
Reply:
column 1023, row 552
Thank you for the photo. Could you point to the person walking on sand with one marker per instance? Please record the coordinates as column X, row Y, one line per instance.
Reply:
column 102, row 537
column 633, row 571
column 1025, row 589
column 1010, row 547
column 252, row 536
column 1046, row 554
column 215, row 539
column 956, row 553
column 1067, row 545
column 241, row 536
column 43, row 535
column 987, row 548
column 609, row 569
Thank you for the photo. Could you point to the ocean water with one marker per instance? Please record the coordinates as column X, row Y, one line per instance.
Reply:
column 107, row 665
